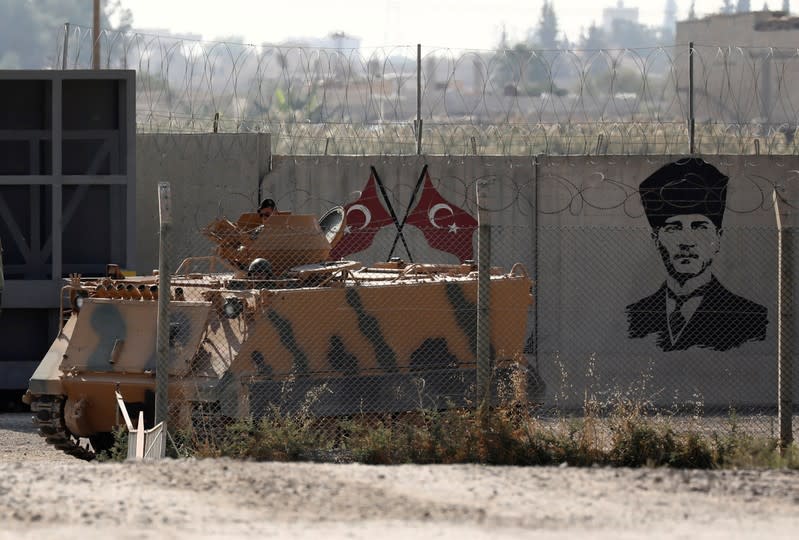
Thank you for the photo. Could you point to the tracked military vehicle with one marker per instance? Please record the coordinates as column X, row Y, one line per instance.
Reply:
column 263, row 322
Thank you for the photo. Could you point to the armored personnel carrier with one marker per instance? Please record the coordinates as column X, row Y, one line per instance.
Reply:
column 263, row 322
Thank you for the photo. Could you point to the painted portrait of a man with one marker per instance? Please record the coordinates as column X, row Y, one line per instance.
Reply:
column 684, row 203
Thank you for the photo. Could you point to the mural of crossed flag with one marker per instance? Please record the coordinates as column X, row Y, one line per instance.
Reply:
column 445, row 226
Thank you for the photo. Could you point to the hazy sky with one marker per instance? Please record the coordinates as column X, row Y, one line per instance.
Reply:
column 473, row 24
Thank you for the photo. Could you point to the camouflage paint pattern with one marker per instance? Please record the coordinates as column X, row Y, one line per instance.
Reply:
column 355, row 329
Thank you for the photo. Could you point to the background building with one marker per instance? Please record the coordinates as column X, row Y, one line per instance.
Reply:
column 618, row 13
column 746, row 67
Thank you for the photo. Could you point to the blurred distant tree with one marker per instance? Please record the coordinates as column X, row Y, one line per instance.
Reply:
column 593, row 38
column 625, row 35
column 669, row 20
column 547, row 34
column 621, row 61
column 633, row 35
column 621, row 80
column 125, row 15
column 521, row 71
column 743, row 6
column 503, row 38
column 727, row 7
column 296, row 99
column 29, row 29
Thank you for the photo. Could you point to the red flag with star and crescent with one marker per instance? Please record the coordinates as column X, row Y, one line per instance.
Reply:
column 364, row 218
column 445, row 226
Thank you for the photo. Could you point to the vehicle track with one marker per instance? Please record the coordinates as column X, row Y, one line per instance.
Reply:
column 48, row 416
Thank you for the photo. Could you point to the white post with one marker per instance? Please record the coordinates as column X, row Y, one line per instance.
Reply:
column 162, row 332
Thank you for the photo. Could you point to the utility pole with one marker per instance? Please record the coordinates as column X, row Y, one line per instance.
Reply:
column 96, row 35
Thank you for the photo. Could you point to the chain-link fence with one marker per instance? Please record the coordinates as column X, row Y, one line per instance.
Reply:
column 264, row 321
column 409, row 100
column 376, row 308
column 367, row 309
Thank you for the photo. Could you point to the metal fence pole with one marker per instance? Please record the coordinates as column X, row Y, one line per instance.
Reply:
column 418, row 99
column 162, row 332
column 96, row 35
column 65, row 52
column 691, row 119
column 785, row 268
column 536, row 197
column 483, row 344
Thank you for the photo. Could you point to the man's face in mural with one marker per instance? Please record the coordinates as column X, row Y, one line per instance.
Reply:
column 687, row 244
column 684, row 202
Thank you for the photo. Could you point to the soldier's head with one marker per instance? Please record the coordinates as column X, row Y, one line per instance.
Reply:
column 684, row 203
column 266, row 209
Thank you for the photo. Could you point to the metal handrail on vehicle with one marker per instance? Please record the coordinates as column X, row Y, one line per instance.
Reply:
column 61, row 308
column 520, row 268
column 212, row 262
column 419, row 268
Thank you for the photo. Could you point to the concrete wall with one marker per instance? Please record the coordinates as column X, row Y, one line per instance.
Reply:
column 210, row 175
column 577, row 224
column 596, row 257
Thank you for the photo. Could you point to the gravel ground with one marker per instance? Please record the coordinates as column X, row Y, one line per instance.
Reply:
column 45, row 494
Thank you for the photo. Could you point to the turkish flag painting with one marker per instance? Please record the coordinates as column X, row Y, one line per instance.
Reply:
column 445, row 226
column 365, row 217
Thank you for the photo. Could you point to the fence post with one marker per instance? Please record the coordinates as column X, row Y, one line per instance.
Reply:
column 483, row 342
column 65, row 52
column 418, row 99
column 534, row 251
column 785, row 334
column 162, row 331
column 96, row 35
column 691, row 119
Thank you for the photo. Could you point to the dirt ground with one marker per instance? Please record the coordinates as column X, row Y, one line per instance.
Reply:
column 44, row 494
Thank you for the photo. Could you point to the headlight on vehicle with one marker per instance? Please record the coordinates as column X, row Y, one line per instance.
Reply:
column 233, row 307
column 78, row 298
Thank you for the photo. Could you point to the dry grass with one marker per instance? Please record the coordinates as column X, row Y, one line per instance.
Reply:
column 621, row 435
column 622, row 430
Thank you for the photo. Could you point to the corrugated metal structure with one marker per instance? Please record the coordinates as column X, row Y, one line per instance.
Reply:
column 67, row 196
